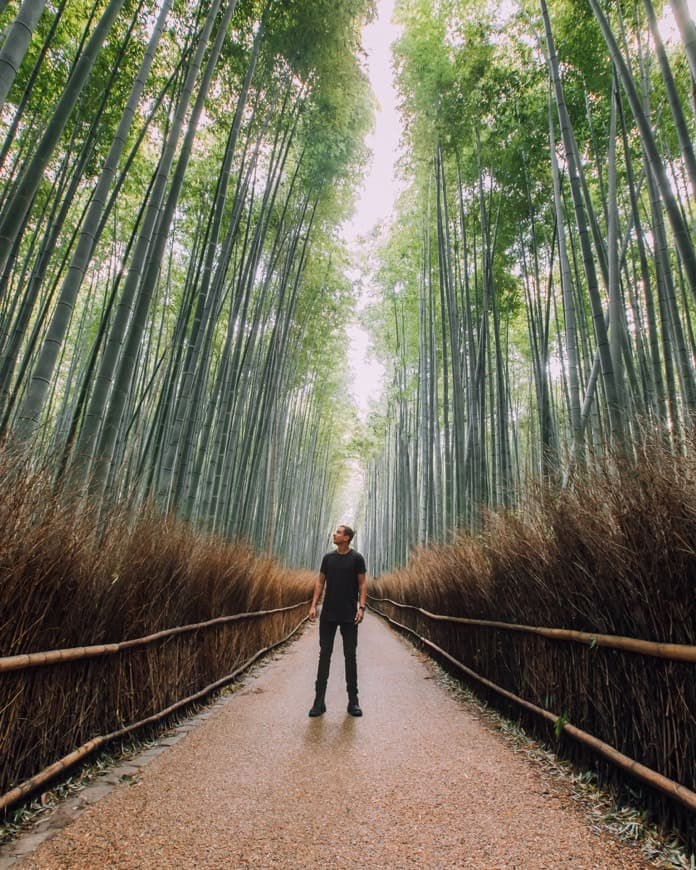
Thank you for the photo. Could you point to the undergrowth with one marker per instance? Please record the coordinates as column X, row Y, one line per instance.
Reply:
column 614, row 552
column 24, row 816
column 71, row 577
column 603, row 806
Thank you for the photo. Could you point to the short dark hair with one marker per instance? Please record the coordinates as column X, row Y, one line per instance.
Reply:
column 348, row 531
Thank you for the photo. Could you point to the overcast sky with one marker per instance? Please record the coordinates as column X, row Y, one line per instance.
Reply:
column 375, row 200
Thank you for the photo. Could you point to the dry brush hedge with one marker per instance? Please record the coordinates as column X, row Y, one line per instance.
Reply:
column 614, row 554
column 64, row 583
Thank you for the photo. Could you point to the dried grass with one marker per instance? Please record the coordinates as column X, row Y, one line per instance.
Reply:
column 65, row 581
column 613, row 553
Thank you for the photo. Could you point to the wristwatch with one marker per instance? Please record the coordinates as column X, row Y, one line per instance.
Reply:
column 361, row 606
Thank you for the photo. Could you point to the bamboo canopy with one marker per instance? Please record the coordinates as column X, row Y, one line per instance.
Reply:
column 175, row 289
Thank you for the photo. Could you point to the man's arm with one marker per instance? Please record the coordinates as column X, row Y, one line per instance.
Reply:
column 362, row 598
column 318, row 589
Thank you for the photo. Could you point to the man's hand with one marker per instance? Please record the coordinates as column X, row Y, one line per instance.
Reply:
column 316, row 598
column 359, row 616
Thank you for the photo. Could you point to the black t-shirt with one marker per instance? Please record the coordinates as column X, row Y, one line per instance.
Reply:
column 341, row 596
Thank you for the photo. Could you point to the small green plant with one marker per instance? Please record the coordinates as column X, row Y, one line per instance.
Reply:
column 559, row 725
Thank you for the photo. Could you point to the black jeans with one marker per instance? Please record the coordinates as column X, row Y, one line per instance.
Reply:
column 327, row 633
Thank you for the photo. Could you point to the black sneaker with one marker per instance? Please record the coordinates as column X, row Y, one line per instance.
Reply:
column 354, row 708
column 318, row 708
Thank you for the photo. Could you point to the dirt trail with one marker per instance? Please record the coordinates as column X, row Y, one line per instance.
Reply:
column 419, row 781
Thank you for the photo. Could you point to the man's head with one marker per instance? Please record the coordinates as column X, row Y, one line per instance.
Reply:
column 343, row 535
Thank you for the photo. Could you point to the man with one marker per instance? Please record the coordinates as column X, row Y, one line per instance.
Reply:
column 342, row 572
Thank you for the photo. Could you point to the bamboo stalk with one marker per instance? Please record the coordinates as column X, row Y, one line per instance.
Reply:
column 48, row 773
column 672, row 651
column 645, row 774
column 53, row 657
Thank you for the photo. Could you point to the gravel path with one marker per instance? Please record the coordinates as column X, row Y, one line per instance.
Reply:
column 419, row 781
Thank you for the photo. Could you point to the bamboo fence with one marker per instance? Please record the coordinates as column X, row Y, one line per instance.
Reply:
column 115, row 694
column 673, row 651
column 80, row 653
column 614, row 704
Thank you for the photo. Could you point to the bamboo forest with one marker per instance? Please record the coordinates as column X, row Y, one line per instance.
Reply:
column 178, row 303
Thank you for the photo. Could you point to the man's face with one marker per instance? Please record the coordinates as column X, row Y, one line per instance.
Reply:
column 340, row 537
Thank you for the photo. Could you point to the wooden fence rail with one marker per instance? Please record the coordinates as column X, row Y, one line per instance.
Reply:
column 672, row 651
column 77, row 653
column 28, row 661
column 674, row 789
column 682, row 794
column 48, row 773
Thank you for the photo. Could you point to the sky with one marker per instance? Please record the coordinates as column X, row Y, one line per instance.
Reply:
column 376, row 198
column 374, row 205
column 668, row 26
column 380, row 189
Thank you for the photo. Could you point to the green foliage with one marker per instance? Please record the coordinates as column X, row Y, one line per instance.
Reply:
column 310, row 35
column 581, row 49
column 272, row 342
column 480, row 101
column 470, row 315
column 559, row 725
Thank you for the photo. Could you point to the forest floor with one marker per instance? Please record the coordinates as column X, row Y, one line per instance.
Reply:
column 421, row 780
